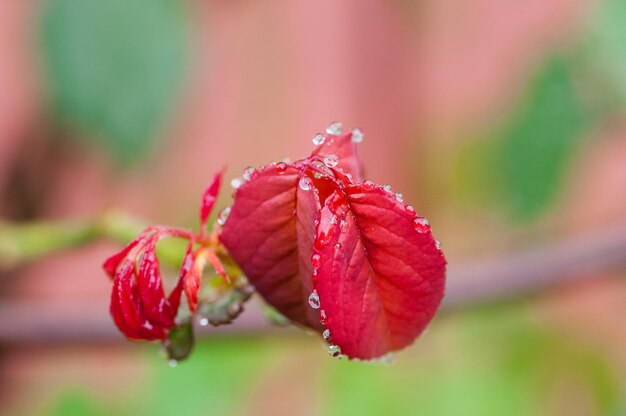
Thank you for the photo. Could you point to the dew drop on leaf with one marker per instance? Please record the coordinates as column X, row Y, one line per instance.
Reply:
column 249, row 173
column 421, row 225
column 221, row 219
column 331, row 160
column 305, row 183
column 315, row 261
column 334, row 351
column 323, row 317
column 236, row 183
column 280, row 167
column 314, row 300
column 335, row 128
column 357, row 135
column 326, row 335
column 234, row 308
column 318, row 139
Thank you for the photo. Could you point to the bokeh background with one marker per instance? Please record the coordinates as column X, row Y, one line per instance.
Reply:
column 503, row 122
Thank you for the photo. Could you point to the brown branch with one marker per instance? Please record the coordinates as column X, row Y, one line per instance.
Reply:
column 526, row 273
column 503, row 279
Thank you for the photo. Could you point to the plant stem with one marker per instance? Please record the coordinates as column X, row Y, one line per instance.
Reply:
column 24, row 242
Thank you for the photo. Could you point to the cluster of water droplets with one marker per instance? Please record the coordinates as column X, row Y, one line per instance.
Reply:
column 335, row 129
column 314, row 299
column 420, row 224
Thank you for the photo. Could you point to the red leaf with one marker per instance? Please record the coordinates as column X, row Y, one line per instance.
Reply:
column 215, row 261
column 209, row 197
column 345, row 149
column 190, row 278
column 185, row 268
column 156, row 307
column 112, row 263
column 380, row 281
column 127, row 308
column 269, row 233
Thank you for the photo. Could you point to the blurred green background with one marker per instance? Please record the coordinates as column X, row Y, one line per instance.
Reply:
column 502, row 122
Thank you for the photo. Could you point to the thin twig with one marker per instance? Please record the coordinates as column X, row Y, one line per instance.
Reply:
column 529, row 272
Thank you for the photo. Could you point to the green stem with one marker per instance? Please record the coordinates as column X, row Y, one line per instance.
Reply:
column 24, row 242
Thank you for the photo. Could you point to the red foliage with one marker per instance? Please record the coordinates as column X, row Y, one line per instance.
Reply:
column 379, row 275
column 344, row 257
column 139, row 306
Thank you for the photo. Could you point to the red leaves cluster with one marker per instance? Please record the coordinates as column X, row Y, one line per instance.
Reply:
column 139, row 305
column 344, row 257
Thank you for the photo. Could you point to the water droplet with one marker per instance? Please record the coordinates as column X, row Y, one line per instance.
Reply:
column 438, row 244
column 249, row 173
column 236, row 183
column 399, row 197
column 172, row 363
column 368, row 185
column 305, row 183
column 410, row 210
column 421, row 225
column 334, row 351
column 357, row 135
column 223, row 216
column 318, row 139
column 343, row 224
column 331, row 160
column 203, row 321
column 315, row 261
column 323, row 317
column 338, row 246
column 248, row 289
column 335, row 128
column 280, row 167
column 234, row 308
column 387, row 188
column 314, row 300
column 326, row 335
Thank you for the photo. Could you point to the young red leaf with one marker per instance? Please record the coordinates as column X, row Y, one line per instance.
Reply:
column 156, row 307
column 112, row 263
column 209, row 197
column 127, row 308
column 380, row 281
column 217, row 265
column 344, row 149
column 269, row 233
